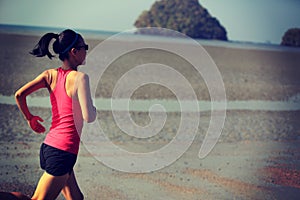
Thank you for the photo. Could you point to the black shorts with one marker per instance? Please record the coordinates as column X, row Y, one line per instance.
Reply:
column 55, row 161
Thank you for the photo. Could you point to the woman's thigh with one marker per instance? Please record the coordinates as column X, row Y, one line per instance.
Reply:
column 50, row 186
column 71, row 190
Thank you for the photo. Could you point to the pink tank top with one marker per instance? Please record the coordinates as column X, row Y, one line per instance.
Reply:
column 67, row 120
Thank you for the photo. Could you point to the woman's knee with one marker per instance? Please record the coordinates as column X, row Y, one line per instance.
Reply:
column 78, row 196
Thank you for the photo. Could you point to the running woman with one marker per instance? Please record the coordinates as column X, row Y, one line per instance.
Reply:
column 71, row 105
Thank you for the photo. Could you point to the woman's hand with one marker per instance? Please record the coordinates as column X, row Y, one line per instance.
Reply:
column 36, row 125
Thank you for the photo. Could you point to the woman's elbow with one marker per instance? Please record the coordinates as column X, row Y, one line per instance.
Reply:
column 18, row 95
column 90, row 118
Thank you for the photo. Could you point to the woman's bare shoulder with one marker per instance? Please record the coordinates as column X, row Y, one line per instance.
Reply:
column 80, row 75
column 50, row 72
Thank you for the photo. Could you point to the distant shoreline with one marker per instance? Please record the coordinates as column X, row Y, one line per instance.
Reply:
column 101, row 35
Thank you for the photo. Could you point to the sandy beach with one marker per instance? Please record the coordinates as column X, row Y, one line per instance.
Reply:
column 256, row 157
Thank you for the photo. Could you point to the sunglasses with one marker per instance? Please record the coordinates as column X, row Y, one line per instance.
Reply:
column 86, row 47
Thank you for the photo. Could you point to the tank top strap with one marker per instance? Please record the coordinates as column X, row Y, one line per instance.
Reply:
column 62, row 74
column 61, row 79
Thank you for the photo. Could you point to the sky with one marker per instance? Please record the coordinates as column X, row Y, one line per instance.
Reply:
column 262, row 21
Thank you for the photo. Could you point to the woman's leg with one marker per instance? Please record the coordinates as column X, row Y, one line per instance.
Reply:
column 71, row 190
column 49, row 186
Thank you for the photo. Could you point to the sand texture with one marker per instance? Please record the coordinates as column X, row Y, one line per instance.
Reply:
column 256, row 157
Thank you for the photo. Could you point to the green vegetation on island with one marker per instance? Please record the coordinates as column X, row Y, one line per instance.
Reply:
column 187, row 17
column 291, row 37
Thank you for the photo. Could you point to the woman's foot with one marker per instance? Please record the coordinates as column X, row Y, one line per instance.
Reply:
column 13, row 196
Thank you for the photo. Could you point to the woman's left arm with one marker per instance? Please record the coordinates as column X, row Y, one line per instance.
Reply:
column 40, row 81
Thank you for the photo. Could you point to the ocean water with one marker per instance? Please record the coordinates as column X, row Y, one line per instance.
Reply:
column 102, row 34
column 38, row 31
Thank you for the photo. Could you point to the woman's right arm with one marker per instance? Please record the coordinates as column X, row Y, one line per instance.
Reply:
column 85, row 100
column 20, row 96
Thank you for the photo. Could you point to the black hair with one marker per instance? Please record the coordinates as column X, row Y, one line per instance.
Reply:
column 62, row 45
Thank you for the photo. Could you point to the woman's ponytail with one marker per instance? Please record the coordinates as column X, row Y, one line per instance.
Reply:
column 64, row 42
column 42, row 48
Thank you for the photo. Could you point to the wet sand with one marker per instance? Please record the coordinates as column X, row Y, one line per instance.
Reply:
column 257, row 156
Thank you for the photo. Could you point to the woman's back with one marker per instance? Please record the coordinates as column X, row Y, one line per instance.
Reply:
column 67, row 120
column 70, row 81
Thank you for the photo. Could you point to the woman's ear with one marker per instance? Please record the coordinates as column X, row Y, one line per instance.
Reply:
column 73, row 51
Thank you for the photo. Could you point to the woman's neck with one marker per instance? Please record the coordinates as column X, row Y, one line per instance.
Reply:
column 67, row 66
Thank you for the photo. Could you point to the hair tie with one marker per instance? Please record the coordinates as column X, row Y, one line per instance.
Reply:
column 71, row 45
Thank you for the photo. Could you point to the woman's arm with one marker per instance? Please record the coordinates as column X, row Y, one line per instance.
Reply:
column 85, row 100
column 23, row 92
